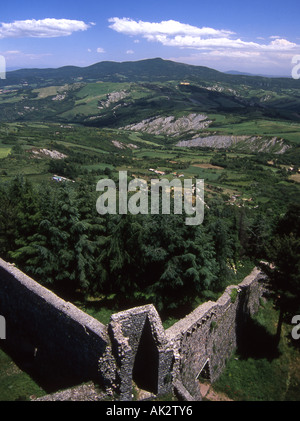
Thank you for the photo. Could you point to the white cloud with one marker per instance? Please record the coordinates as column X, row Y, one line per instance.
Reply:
column 44, row 28
column 256, row 62
column 170, row 27
column 234, row 54
column 220, row 48
column 100, row 50
column 12, row 52
column 176, row 34
column 282, row 44
column 199, row 43
column 16, row 56
column 129, row 52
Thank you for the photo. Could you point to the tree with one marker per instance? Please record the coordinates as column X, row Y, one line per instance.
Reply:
column 186, row 266
column 260, row 231
column 58, row 252
column 19, row 215
column 284, row 269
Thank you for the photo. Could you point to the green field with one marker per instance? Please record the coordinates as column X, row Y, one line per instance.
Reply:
column 4, row 152
column 91, row 150
column 289, row 131
column 101, row 89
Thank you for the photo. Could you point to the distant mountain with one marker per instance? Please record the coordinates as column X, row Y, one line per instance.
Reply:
column 150, row 70
column 236, row 72
column 132, row 92
column 11, row 69
column 108, row 71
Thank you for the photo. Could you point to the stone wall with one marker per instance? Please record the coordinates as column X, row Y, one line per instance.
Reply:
column 52, row 337
column 67, row 346
column 205, row 339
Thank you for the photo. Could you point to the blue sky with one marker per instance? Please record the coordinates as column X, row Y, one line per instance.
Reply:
column 251, row 36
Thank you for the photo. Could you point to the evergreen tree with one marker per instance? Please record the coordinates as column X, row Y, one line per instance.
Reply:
column 284, row 269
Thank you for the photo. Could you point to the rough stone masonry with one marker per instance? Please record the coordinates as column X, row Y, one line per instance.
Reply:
column 65, row 347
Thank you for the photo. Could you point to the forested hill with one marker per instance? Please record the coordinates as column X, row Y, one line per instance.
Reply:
column 149, row 70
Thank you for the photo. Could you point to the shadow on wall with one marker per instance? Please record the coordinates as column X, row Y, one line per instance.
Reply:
column 256, row 342
column 21, row 349
column 145, row 369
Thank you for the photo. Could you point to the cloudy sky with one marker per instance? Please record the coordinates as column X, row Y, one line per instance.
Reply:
column 254, row 36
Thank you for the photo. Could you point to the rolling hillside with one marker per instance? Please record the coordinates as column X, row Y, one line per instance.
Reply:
column 123, row 96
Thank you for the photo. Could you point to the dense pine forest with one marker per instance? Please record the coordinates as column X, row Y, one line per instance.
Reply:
column 54, row 233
